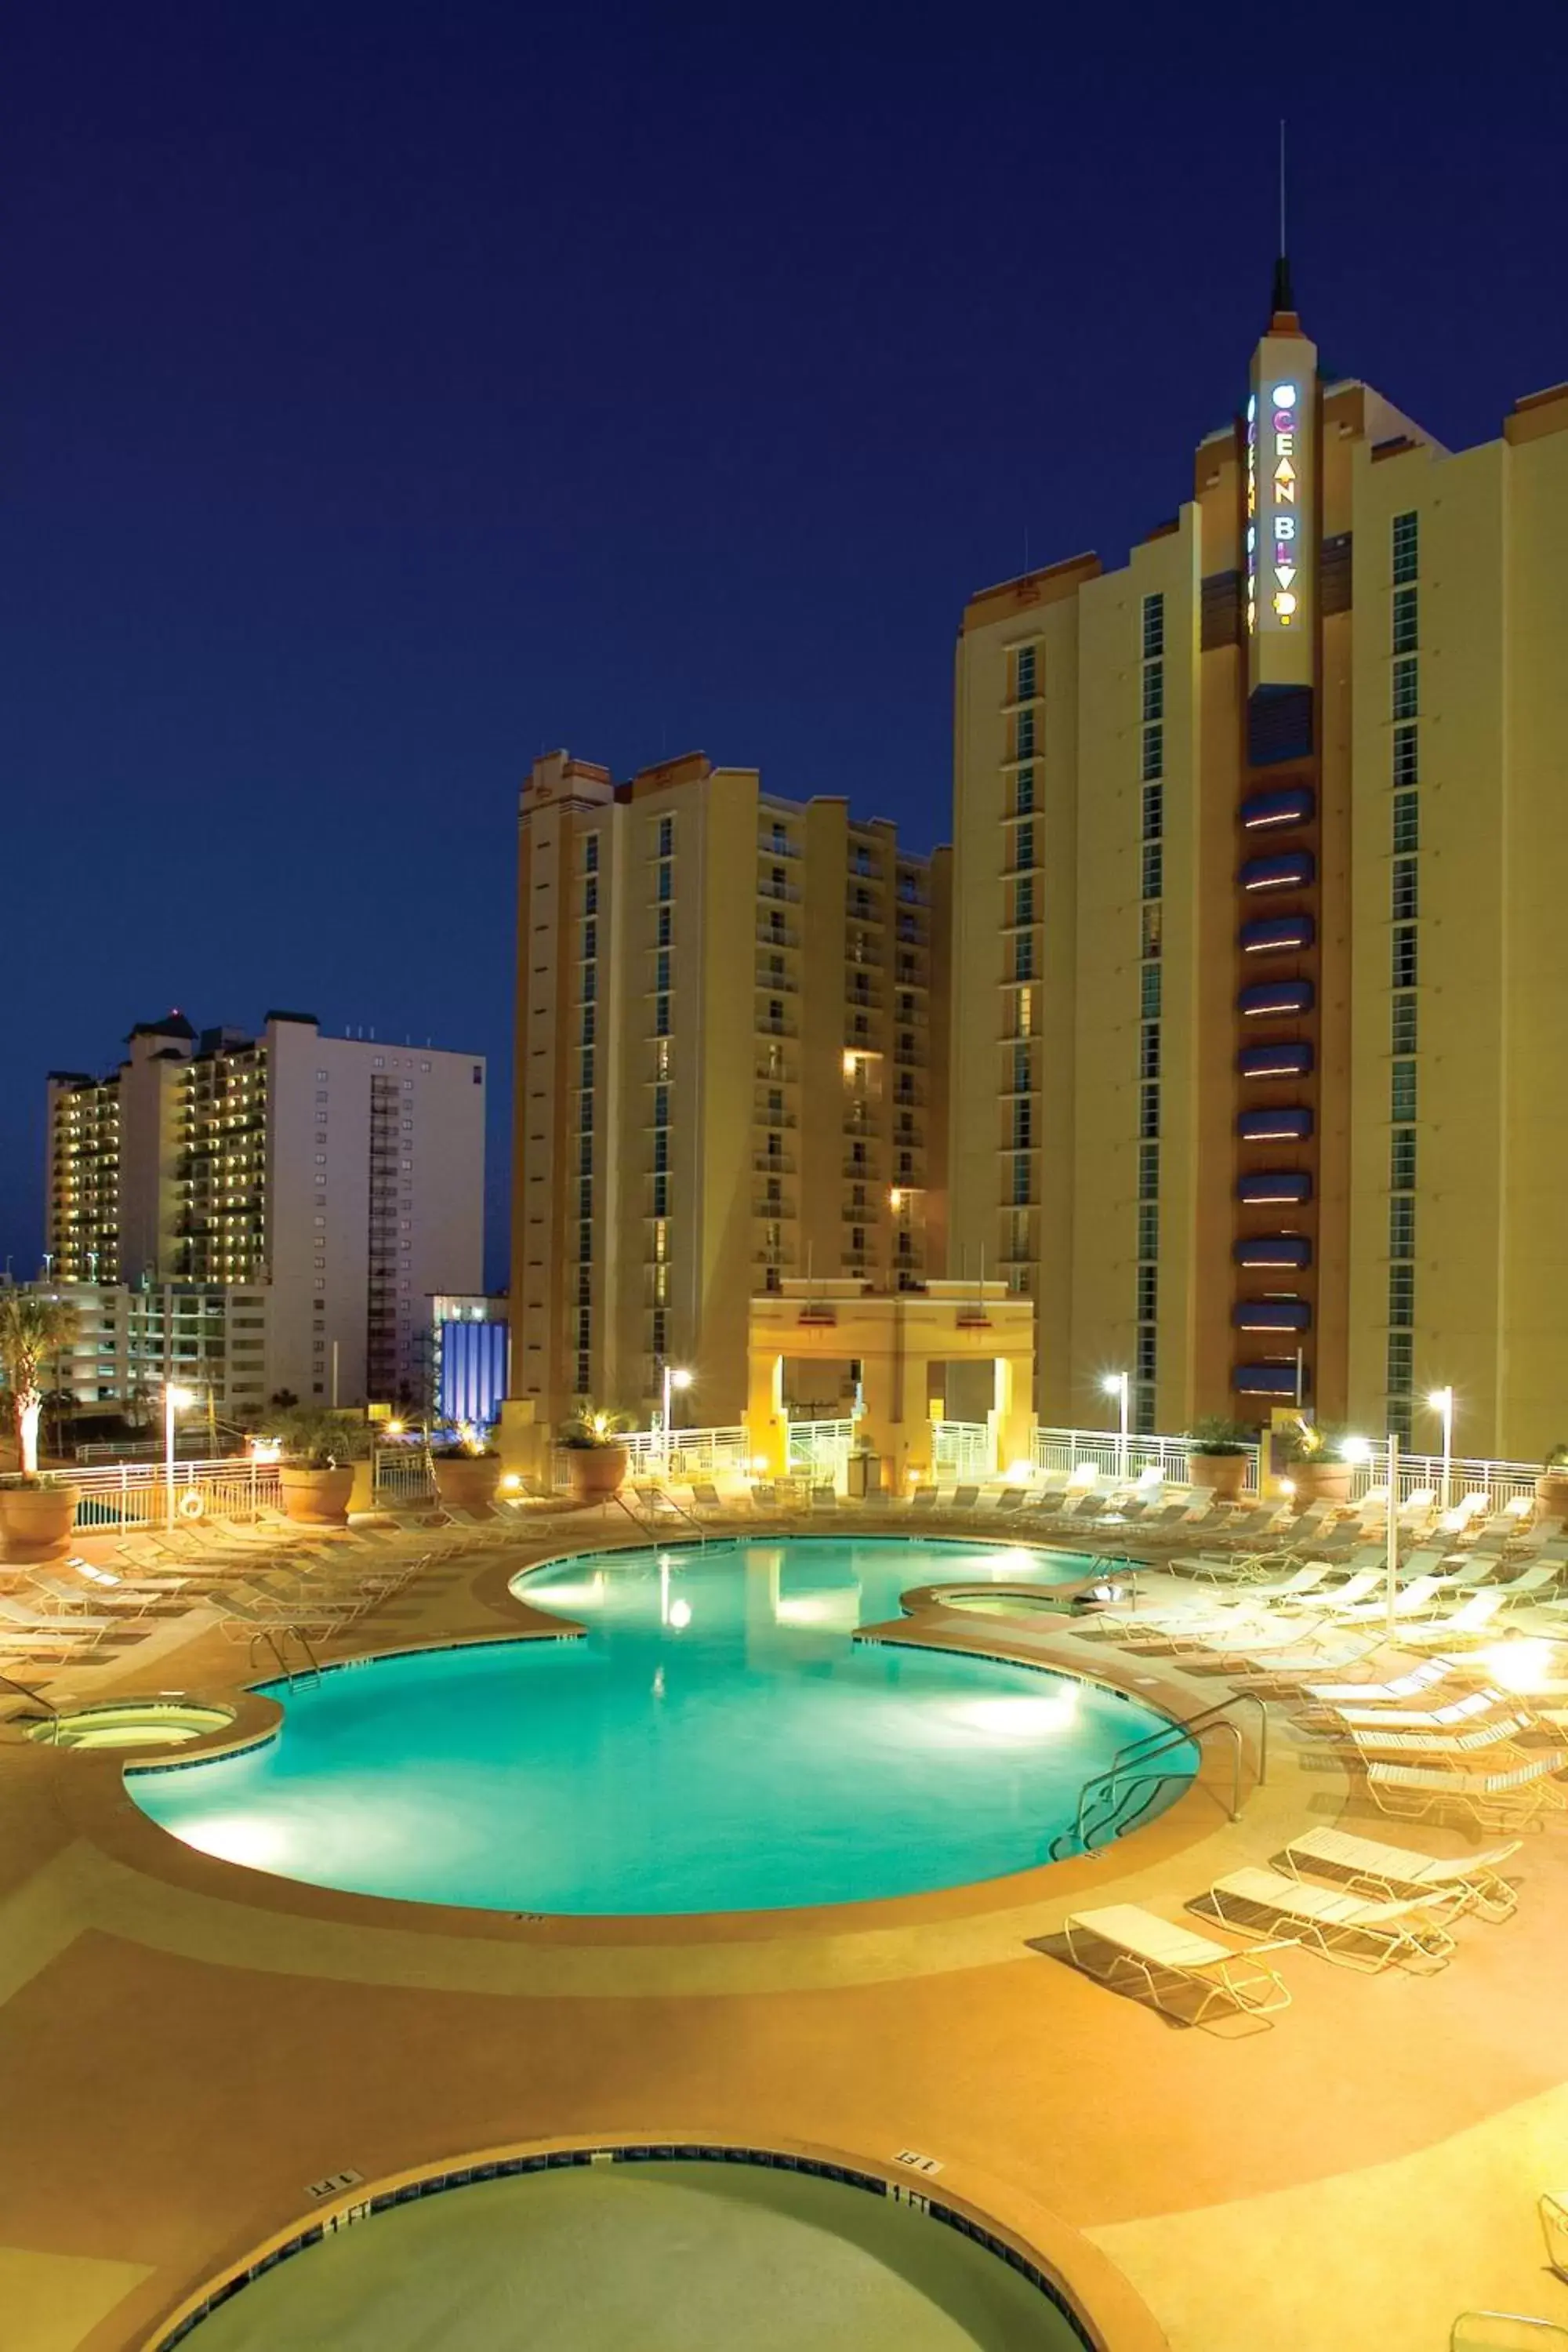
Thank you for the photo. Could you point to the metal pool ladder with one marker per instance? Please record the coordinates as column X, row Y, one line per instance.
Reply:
column 1110, row 1802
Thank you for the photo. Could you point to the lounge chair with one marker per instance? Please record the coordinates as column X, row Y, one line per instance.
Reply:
column 1411, row 1685
column 1504, row 2331
column 1440, row 1747
column 825, row 1495
column 963, row 1498
column 706, row 1499
column 1471, row 1622
column 78, row 1598
column 1338, row 1925
column 923, row 1498
column 1466, row 1708
column 1157, row 1956
column 1395, row 1871
column 1500, row 1801
column 1010, row 1501
column 39, row 1627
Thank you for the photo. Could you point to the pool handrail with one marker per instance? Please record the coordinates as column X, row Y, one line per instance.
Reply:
column 1152, row 1744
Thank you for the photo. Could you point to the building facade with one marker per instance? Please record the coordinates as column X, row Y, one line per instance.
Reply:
column 343, row 1175
column 1257, row 947
column 211, row 1338
column 730, row 1068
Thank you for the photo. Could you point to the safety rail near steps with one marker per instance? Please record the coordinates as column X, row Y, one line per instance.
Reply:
column 650, row 1522
column 1146, row 1750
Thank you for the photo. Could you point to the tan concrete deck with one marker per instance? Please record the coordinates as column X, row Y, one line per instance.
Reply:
column 185, row 2044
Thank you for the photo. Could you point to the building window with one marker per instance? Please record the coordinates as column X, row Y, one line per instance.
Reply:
column 1153, row 752
column 1149, row 986
column 1154, row 627
column 1148, row 1171
column 586, row 1198
column 591, row 894
column 1021, row 1192
column 585, row 1068
column 1147, row 1293
column 1403, row 973
column 1024, row 901
column 661, row 1105
column 1147, row 1352
column 1402, row 1225
column 1023, row 795
column 666, row 837
column 662, row 1196
column 588, row 1024
column 1402, row 1160
column 1149, row 1112
column 665, row 883
column 591, row 854
column 1406, row 821
column 590, row 983
column 1024, row 731
column 1401, row 1296
column 1403, row 1038
column 1406, row 687
column 662, row 1016
column 1407, row 546
column 1149, row 1051
column 590, row 940
column 1405, row 765
column 1401, row 1351
column 1148, row 1230
column 1404, row 906
column 1154, row 690
column 1024, row 956
column 1023, row 1123
column 1153, row 812
column 1403, row 1092
column 1023, row 673
column 1405, row 620
column 1154, row 869
column 666, row 926
column 1150, row 930
column 1024, row 847
column 661, row 1151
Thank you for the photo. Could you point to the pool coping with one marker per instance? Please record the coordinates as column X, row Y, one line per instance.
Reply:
column 93, row 1794
column 1095, row 2298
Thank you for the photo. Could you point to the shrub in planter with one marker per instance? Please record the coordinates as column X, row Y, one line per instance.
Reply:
column 467, row 1469
column 1216, row 1455
column 597, row 1459
column 317, row 1473
column 1311, row 1458
column 1552, row 1487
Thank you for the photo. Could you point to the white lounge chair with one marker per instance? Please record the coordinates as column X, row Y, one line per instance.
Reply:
column 1440, row 1747
column 1157, row 1957
column 1369, row 1866
column 1419, row 1679
column 1493, row 1800
column 1348, row 1929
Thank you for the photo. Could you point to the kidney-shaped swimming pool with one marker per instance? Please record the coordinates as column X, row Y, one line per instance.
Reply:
column 717, row 1742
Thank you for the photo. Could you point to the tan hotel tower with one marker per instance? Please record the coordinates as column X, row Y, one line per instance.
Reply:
column 730, row 1069
column 1260, row 930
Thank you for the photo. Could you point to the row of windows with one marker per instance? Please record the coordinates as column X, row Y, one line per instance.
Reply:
column 1024, row 671
column 1152, row 882
column 1405, row 906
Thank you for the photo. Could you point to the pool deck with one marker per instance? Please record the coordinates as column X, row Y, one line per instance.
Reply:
column 185, row 2044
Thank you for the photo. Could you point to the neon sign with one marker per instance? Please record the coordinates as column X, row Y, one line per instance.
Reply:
column 1252, row 515
column 1278, row 452
column 1283, row 482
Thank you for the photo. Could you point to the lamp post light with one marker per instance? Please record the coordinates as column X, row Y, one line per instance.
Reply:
column 1119, row 1385
column 1391, row 1579
column 1442, row 1403
column 675, row 1377
column 175, row 1399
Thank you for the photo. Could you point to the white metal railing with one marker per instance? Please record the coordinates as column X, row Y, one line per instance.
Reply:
column 1501, row 1481
column 1071, row 1449
column 135, row 1494
column 402, row 1474
column 692, row 1454
column 820, row 1449
column 962, row 1449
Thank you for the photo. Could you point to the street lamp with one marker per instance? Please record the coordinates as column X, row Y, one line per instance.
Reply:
column 674, row 1378
column 174, row 1400
column 1119, row 1385
column 1442, row 1403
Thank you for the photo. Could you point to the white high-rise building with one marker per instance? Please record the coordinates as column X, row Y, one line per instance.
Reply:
column 344, row 1176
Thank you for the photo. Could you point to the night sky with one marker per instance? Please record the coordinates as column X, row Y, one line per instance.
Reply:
column 392, row 393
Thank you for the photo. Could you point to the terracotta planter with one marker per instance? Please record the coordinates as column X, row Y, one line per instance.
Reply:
column 1318, row 1482
column 317, row 1498
column 598, row 1471
column 1224, row 1475
column 467, row 1482
column 1551, row 1493
column 35, row 1522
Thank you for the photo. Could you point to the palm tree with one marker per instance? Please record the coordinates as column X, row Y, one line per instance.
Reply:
column 34, row 1329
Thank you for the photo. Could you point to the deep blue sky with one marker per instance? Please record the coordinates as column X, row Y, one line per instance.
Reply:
column 394, row 392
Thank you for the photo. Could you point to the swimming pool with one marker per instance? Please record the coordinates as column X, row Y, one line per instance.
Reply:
column 716, row 1742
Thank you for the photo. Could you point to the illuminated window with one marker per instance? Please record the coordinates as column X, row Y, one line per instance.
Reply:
column 1407, row 546
column 1151, row 929
column 1026, row 1013
column 1407, row 822
column 1405, row 620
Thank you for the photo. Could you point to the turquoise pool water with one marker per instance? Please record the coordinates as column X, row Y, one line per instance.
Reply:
column 715, row 1742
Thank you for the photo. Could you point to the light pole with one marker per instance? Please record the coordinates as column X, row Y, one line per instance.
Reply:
column 675, row 1377
column 174, row 1401
column 1391, row 1579
column 1119, row 1385
column 1442, row 1403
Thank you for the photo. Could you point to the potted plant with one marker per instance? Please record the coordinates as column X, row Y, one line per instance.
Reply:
column 466, row 1467
column 597, row 1459
column 1310, row 1457
column 317, row 1472
column 36, row 1513
column 1552, row 1487
column 1216, row 1455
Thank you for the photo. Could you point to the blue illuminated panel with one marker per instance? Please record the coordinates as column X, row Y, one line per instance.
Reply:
column 1288, row 1125
column 1272, row 1315
column 473, row 1372
column 1261, row 812
column 1290, row 1058
column 1293, row 870
column 1277, row 996
column 1276, row 1250
column 1265, row 1379
column 1271, row 1185
column 1277, row 935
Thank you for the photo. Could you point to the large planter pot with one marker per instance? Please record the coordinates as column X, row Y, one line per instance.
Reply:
column 597, row 1471
column 467, row 1482
column 1224, row 1475
column 1551, row 1493
column 1318, row 1482
column 317, row 1498
column 35, row 1522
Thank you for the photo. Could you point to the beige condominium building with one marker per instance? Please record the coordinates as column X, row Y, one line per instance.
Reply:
column 731, row 1049
column 344, row 1175
column 1260, row 933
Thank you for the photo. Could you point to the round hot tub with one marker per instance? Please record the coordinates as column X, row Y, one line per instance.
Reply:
column 171, row 1722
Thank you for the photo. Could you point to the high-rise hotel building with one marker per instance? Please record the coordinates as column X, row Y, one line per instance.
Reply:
column 343, row 1175
column 1260, row 930
column 730, row 1068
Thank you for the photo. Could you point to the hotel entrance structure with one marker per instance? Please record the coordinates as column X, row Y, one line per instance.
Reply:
column 902, row 1345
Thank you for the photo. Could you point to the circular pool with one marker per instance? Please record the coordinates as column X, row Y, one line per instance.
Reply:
column 683, row 2256
column 716, row 1741
column 131, row 1723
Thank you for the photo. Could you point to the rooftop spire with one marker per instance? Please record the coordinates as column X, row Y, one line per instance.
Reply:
column 1282, row 303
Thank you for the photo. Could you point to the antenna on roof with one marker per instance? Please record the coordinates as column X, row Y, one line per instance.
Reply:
column 1283, row 299
column 1284, row 246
